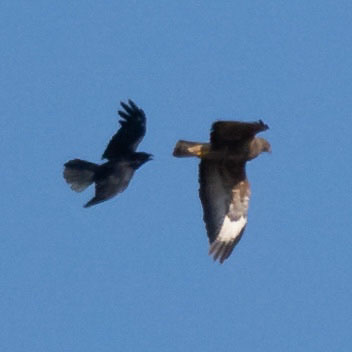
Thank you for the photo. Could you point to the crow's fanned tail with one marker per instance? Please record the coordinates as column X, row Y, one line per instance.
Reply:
column 80, row 174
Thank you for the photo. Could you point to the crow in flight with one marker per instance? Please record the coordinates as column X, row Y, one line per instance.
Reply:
column 113, row 176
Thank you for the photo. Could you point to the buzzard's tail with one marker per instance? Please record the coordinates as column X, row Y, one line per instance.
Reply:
column 79, row 174
column 185, row 149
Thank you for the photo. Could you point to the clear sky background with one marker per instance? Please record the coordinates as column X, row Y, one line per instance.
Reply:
column 133, row 274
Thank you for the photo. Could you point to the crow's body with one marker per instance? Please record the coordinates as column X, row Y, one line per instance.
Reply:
column 113, row 176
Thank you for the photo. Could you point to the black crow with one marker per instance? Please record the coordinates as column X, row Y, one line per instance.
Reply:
column 113, row 176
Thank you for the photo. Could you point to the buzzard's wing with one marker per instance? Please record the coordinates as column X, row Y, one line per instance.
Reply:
column 225, row 133
column 131, row 133
column 224, row 193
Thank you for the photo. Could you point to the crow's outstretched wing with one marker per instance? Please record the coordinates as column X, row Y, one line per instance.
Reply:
column 131, row 133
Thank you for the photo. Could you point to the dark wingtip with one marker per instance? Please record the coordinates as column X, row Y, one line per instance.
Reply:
column 132, row 104
column 217, row 249
column 93, row 201
column 221, row 250
column 126, row 107
column 131, row 110
column 263, row 125
column 88, row 204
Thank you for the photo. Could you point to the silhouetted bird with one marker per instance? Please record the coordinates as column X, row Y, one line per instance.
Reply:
column 113, row 176
column 224, row 188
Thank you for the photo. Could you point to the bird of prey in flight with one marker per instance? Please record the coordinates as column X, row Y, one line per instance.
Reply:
column 224, row 188
column 113, row 176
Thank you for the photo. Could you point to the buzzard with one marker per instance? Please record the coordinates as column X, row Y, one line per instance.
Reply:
column 113, row 176
column 224, row 189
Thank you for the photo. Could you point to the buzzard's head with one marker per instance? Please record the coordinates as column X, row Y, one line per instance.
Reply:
column 257, row 146
column 265, row 145
column 140, row 158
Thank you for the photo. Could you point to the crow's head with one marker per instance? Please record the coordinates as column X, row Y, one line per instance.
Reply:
column 138, row 159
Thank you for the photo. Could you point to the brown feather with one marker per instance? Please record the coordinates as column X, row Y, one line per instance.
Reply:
column 186, row 149
column 224, row 192
column 230, row 133
column 224, row 189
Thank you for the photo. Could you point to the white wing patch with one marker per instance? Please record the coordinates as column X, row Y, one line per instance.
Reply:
column 230, row 233
column 231, row 229
column 224, row 193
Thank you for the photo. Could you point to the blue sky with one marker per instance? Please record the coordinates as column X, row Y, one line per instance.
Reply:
column 133, row 274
